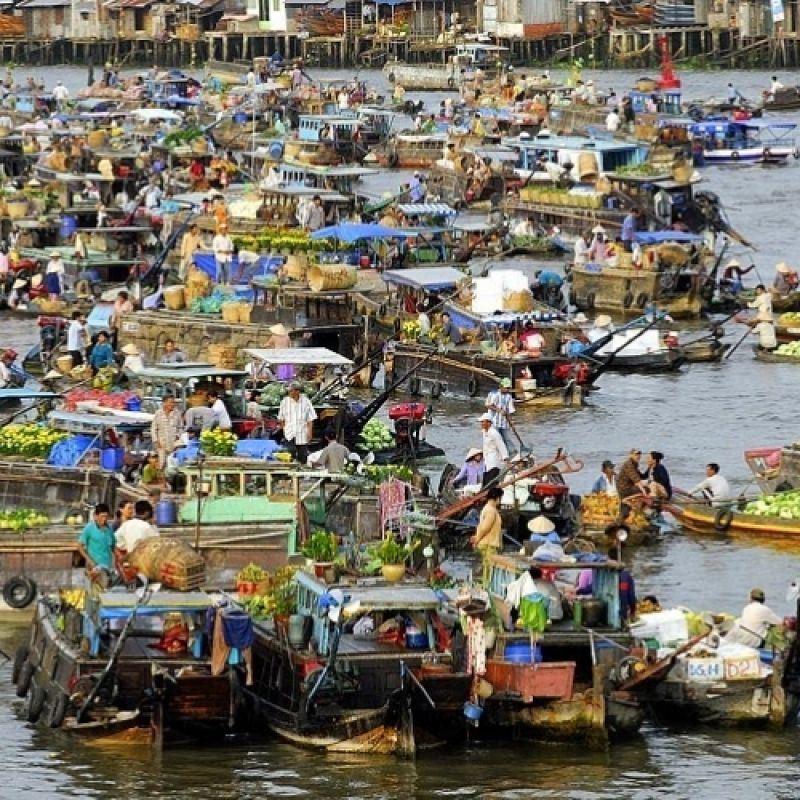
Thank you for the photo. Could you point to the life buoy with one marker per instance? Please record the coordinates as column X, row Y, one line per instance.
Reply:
column 627, row 301
column 413, row 386
column 436, row 390
column 734, row 155
column 24, row 678
column 642, row 300
column 451, row 83
column 34, row 704
column 56, row 710
column 723, row 519
column 590, row 300
column 473, row 387
column 20, row 657
column 19, row 591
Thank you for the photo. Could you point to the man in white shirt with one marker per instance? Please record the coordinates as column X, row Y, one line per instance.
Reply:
column 76, row 338
column 767, row 338
column 762, row 304
column 296, row 416
column 60, row 94
column 612, row 121
column 314, row 215
column 222, row 419
column 495, row 452
column 223, row 253
column 135, row 530
column 7, row 359
column 753, row 623
column 714, row 488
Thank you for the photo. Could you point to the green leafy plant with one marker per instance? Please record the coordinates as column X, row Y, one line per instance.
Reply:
column 322, row 547
column 390, row 551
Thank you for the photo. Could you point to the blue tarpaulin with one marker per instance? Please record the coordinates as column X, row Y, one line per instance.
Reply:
column 353, row 231
column 261, row 449
column 659, row 237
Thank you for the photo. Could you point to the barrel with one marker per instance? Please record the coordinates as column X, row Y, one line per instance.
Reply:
column 324, row 277
column 276, row 150
column 587, row 167
column 112, row 458
column 222, row 356
column 134, row 404
column 96, row 139
column 296, row 266
column 166, row 512
column 174, row 298
column 68, row 226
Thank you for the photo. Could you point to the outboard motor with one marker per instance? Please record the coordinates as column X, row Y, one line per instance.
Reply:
column 410, row 420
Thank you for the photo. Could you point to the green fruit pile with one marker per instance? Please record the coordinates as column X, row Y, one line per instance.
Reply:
column 785, row 505
column 789, row 349
column 376, row 435
column 22, row 519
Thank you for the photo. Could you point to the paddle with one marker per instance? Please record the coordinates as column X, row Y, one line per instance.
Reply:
column 736, row 346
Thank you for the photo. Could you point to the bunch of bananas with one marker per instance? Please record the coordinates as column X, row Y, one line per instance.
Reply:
column 74, row 597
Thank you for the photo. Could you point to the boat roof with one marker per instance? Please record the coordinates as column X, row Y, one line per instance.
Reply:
column 427, row 278
column 393, row 597
column 59, row 418
column 657, row 237
column 120, row 604
column 570, row 143
column 173, row 372
column 26, row 394
column 299, row 355
column 426, row 209
column 345, row 170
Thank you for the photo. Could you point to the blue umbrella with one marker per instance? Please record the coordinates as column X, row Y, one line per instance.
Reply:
column 353, row 231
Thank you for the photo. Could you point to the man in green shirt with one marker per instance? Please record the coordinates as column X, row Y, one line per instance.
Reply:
column 96, row 545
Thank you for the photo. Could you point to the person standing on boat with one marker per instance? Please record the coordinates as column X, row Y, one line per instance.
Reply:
column 613, row 121
column 60, row 94
column 77, row 338
column 334, row 455
column 223, row 254
column 166, row 428
column 606, row 483
column 630, row 225
column 630, row 478
column 222, row 419
column 102, row 355
column 762, row 304
column 774, row 87
column 122, row 307
column 488, row 536
column 190, row 244
column 500, row 407
column 135, row 530
column 734, row 95
column 96, row 545
column 54, row 276
column 767, row 337
column 753, row 624
column 714, row 488
column 495, row 452
column 296, row 416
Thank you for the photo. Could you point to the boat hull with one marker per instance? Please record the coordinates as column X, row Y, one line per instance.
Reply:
column 749, row 155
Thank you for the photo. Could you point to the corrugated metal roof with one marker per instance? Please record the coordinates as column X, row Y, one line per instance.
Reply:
column 44, row 3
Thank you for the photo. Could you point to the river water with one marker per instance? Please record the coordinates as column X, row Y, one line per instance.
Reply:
column 706, row 413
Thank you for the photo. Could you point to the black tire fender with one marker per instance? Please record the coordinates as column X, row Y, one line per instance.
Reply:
column 735, row 155
column 34, row 704
column 56, row 710
column 392, row 160
column 20, row 657
column 397, row 324
column 436, row 390
column 24, row 679
column 391, row 77
column 723, row 519
column 19, row 591
column 473, row 387
column 590, row 300
column 627, row 301
column 642, row 300
column 451, row 83
column 766, row 153
column 414, row 386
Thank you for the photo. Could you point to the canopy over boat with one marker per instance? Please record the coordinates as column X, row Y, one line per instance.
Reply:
column 301, row 356
column 659, row 237
column 430, row 279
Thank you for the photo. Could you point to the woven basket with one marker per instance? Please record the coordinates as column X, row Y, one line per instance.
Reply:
column 174, row 298
column 222, row 356
column 230, row 312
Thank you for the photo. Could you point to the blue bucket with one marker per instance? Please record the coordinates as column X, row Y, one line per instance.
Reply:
column 134, row 404
column 521, row 653
column 276, row 150
column 112, row 458
column 240, row 117
column 68, row 226
column 472, row 711
column 166, row 512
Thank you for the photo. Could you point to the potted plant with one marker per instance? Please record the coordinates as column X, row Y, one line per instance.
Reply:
column 321, row 548
column 392, row 556
column 248, row 579
column 283, row 596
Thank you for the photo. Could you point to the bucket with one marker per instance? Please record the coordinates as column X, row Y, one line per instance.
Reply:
column 416, row 639
column 166, row 512
column 68, row 226
column 245, row 309
column 587, row 166
column 324, row 277
column 64, row 364
column 296, row 266
column 299, row 630
column 472, row 711
column 112, row 458
column 276, row 151
column 174, row 298
column 521, row 653
column 230, row 312
column 134, row 404
column 17, row 209
column 222, row 356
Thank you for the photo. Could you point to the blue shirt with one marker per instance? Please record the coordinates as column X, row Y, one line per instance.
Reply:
column 99, row 544
column 102, row 355
column 548, row 278
column 628, row 228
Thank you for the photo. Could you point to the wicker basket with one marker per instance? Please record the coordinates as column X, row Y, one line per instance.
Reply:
column 245, row 310
column 325, row 277
column 222, row 356
column 17, row 209
column 230, row 312
column 296, row 266
column 175, row 298
column 172, row 562
column 96, row 139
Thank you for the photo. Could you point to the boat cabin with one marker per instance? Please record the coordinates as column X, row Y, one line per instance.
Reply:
column 668, row 101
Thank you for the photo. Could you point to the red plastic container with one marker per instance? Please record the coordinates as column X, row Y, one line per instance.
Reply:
column 407, row 411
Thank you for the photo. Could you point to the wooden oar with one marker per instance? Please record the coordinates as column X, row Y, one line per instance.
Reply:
column 736, row 346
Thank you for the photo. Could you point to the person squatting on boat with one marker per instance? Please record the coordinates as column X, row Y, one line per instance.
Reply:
column 753, row 624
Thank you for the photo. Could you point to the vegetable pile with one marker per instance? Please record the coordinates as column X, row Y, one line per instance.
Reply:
column 378, row 474
column 115, row 400
column 785, row 505
column 789, row 349
column 789, row 318
column 28, row 440
column 22, row 519
column 376, row 435
column 280, row 597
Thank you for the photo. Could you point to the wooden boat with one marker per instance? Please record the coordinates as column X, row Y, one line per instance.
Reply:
column 786, row 99
column 408, row 150
column 774, row 357
column 707, row 519
column 635, row 350
column 92, row 670
column 570, row 693
column 704, row 351
column 352, row 694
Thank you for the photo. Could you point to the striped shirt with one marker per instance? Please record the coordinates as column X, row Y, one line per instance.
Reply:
column 295, row 416
column 505, row 405
column 166, row 428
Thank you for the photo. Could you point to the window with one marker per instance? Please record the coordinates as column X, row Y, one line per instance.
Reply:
column 263, row 10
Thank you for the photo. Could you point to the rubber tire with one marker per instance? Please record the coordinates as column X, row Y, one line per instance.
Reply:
column 20, row 657
column 414, row 386
column 34, row 704
column 642, row 300
column 735, row 155
column 397, row 325
column 766, row 153
column 19, row 592
column 451, row 83
column 723, row 519
column 590, row 301
column 436, row 390
column 473, row 387
column 24, row 679
column 627, row 301
column 56, row 710
column 391, row 77
column 392, row 161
